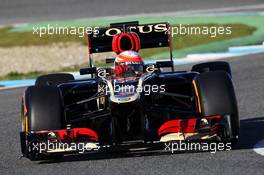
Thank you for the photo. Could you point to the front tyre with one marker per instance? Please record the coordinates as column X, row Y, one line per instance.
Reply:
column 217, row 97
column 41, row 110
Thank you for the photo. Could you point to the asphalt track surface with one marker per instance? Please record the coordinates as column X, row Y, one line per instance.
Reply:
column 248, row 80
column 25, row 11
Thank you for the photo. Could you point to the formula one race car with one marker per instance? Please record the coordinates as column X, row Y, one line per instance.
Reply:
column 130, row 105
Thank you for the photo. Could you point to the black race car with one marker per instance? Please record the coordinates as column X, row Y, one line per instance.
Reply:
column 104, row 111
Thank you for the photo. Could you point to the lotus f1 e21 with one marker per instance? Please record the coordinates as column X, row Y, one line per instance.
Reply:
column 130, row 104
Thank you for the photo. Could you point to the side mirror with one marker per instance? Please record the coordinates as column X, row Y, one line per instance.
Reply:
column 161, row 64
column 109, row 60
column 89, row 70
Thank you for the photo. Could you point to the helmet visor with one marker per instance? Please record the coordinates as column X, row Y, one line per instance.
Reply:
column 132, row 70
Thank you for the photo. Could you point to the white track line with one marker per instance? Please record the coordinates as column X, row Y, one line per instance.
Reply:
column 259, row 147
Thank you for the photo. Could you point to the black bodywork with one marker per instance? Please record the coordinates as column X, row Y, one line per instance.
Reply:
column 137, row 120
column 138, row 117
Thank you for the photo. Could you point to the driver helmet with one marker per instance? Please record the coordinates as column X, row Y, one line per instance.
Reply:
column 128, row 63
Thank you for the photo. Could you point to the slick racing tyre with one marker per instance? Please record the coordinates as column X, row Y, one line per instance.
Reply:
column 212, row 66
column 44, row 112
column 53, row 79
column 217, row 97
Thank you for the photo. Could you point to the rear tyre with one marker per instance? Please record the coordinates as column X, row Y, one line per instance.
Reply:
column 217, row 97
column 54, row 79
column 44, row 112
column 212, row 66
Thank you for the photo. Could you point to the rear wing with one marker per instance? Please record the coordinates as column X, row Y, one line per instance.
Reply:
column 152, row 35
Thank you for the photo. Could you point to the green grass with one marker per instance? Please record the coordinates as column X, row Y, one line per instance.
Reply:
column 254, row 20
column 19, row 76
column 35, row 74
column 186, row 41
column 9, row 38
